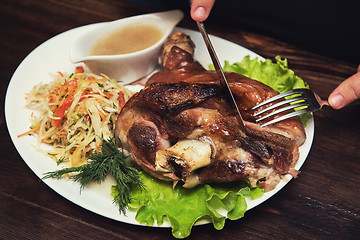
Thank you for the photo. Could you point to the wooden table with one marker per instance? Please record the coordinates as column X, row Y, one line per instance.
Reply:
column 323, row 203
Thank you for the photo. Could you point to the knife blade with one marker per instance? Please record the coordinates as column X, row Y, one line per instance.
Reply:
column 220, row 72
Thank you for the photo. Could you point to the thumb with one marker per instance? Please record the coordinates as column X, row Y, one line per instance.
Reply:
column 347, row 92
column 200, row 9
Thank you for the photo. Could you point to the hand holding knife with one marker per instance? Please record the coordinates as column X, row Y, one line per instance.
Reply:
column 224, row 83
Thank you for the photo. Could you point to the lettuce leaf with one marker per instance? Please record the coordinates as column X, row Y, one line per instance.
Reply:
column 275, row 75
column 184, row 207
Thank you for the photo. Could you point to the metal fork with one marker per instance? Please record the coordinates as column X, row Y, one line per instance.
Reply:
column 303, row 99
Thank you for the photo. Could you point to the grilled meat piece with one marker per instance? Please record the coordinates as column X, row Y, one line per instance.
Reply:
column 182, row 127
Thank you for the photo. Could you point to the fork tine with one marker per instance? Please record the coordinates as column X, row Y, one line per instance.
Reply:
column 286, row 101
column 281, row 95
column 286, row 116
column 292, row 106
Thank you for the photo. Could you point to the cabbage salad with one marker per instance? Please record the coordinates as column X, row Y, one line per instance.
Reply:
column 76, row 112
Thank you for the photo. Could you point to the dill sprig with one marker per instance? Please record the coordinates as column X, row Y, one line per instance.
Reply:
column 108, row 160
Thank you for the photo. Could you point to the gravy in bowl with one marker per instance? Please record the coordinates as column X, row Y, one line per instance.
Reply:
column 128, row 39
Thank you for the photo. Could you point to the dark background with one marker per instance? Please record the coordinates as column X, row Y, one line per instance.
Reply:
column 329, row 28
column 323, row 203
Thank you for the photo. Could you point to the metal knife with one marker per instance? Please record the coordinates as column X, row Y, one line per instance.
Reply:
column 219, row 71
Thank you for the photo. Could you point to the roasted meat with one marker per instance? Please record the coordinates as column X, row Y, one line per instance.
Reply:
column 181, row 127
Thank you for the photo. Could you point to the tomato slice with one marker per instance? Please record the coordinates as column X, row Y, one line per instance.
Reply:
column 60, row 112
column 121, row 100
column 79, row 69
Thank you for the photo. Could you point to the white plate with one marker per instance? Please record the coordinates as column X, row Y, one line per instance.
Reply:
column 53, row 56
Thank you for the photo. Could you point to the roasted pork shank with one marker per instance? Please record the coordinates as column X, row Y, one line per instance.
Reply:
column 182, row 127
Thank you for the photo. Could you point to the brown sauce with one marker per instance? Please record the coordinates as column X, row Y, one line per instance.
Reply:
column 127, row 39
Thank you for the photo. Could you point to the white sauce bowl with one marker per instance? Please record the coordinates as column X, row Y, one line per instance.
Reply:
column 125, row 67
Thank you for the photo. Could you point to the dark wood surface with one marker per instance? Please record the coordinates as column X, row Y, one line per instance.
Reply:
column 323, row 203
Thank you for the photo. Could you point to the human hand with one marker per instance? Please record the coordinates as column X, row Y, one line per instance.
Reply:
column 347, row 92
column 200, row 9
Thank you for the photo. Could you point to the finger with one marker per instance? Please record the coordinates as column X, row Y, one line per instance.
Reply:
column 200, row 9
column 347, row 92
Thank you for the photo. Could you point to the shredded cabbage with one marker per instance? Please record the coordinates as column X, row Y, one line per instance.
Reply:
column 75, row 113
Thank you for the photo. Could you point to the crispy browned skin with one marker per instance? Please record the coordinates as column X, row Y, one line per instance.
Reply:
column 178, row 39
column 181, row 67
column 187, row 102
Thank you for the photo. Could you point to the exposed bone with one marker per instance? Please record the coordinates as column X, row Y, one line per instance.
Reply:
column 184, row 157
column 192, row 181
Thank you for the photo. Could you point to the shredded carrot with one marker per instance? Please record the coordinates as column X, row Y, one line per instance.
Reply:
column 97, row 148
column 57, row 86
column 94, row 80
column 108, row 95
column 100, row 101
column 59, row 133
column 47, row 140
column 30, row 131
column 102, row 115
